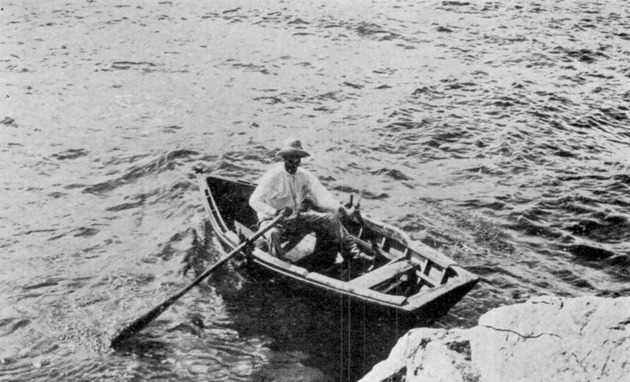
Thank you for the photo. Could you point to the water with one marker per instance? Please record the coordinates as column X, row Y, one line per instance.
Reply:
column 495, row 131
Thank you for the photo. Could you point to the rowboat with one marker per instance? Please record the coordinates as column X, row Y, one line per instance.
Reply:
column 407, row 276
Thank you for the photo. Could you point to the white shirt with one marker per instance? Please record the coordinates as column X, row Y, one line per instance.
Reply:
column 278, row 189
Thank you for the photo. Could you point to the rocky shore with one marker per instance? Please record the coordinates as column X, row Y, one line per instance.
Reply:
column 544, row 339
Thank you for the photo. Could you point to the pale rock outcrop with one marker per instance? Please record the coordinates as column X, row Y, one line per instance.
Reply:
column 545, row 339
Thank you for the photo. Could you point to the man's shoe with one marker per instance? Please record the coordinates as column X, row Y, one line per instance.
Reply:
column 363, row 257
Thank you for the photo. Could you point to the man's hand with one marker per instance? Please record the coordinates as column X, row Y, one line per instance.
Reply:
column 347, row 212
column 286, row 211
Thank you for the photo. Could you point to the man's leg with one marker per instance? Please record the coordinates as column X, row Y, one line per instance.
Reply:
column 328, row 228
column 271, row 241
column 274, row 241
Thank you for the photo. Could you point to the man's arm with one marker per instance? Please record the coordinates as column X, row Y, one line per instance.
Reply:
column 257, row 199
column 321, row 196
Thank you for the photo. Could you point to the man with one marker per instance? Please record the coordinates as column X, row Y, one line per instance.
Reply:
column 287, row 188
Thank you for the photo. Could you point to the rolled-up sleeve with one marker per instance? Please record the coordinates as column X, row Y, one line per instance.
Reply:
column 321, row 196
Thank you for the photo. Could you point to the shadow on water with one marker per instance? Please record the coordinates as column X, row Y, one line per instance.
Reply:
column 342, row 338
column 142, row 344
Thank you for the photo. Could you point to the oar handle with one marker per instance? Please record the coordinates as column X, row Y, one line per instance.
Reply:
column 234, row 252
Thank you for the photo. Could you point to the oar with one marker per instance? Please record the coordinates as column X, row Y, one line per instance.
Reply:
column 357, row 213
column 143, row 321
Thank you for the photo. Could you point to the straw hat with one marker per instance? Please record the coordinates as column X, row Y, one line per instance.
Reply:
column 292, row 146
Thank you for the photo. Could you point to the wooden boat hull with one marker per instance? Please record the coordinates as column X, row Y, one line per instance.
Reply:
column 408, row 277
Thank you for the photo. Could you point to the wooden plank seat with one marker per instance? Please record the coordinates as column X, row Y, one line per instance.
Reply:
column 382, row 274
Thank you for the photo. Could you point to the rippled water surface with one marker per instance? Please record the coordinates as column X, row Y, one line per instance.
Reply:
column 496, row 132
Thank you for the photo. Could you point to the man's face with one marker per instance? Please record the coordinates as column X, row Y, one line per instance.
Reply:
column 291, row 163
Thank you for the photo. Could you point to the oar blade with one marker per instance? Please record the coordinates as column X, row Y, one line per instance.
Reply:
column 139, row 324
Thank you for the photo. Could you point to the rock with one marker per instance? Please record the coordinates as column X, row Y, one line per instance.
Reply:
column 426, row 354
column 544, row 339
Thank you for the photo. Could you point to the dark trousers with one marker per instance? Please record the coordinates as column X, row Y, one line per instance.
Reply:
column 328, row 229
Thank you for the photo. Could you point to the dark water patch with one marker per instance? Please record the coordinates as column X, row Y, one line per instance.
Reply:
column 144, row 345
column 571, row 278
column 233, row 10
column 622, row 179
column 392, row 173
column 479, row 204
column 172, row 128
column 588, row 252
column 565, row 154
column 582, row 55
column 10, row 325
column 344, row 189
column 324, row 109
column 76, row 283
column 455, row 3
column 589, row 122
column 8, row 121
column 57, row 237
column 336, row 96
column 443, row 29
column 86, row 232
column 200, row 252
column 579, row 203
column 355, row 86
column 612, row 293
column 367, row 194
column 482, row 271
column 531, row 228
column 125, row 206
column 478, row 170
column 298, row 21
column 250, row 67
column 166, row 253
column 620, row 264
column 375, row 31
column 614, row 114
column 126, row 65
column 44, row 284
column 602, row 228
column 449, row 135
column 56, row 195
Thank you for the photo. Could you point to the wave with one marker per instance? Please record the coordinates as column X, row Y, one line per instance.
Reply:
column 166, row 162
